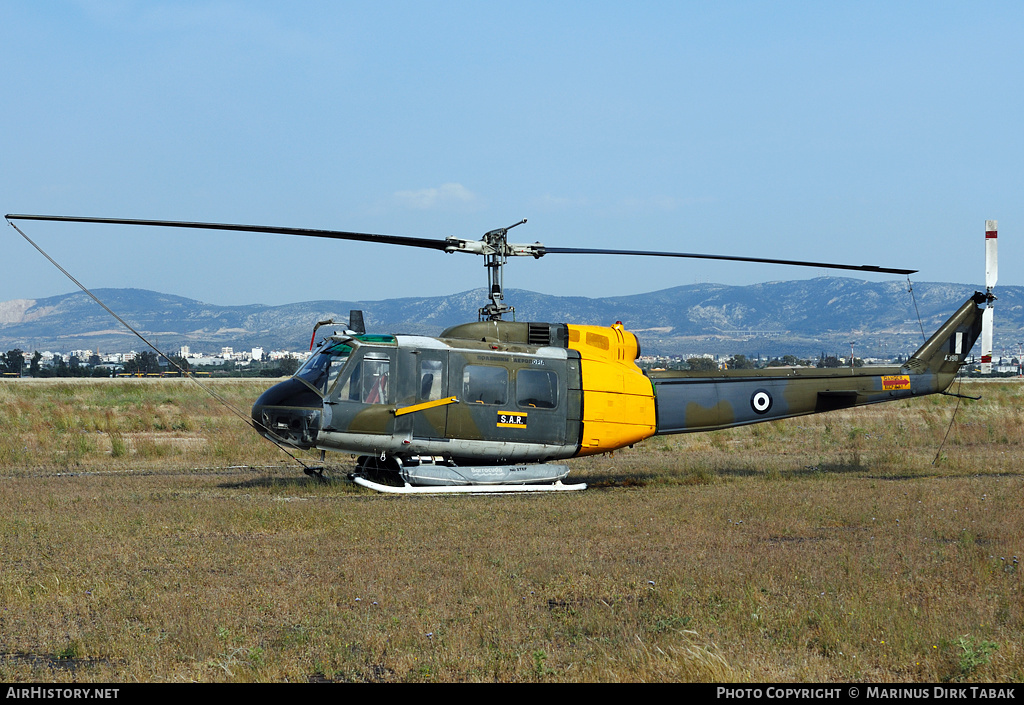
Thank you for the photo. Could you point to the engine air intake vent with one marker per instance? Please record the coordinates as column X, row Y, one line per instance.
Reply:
column 539, row 334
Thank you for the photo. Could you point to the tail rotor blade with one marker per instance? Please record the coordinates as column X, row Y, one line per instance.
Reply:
column 991, row 258
column 988, row 315
column 986, row 339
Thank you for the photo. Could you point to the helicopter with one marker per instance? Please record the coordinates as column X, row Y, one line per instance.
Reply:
column 498, row 405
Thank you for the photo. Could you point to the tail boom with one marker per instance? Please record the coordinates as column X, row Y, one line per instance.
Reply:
column 699, row 401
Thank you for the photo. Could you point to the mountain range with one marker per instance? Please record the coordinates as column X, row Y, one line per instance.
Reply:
column 803, row 318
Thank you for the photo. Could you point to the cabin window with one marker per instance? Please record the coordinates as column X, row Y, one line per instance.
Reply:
column 484, row 385
column 537, row 389
column 431, row 378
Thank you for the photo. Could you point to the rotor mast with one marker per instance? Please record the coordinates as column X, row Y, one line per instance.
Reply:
column 495, row 248
column 495, row 263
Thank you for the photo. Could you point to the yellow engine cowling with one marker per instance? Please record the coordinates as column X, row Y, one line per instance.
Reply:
column 618, row 399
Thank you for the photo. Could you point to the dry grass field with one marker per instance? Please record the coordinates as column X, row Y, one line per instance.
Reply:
column 146, row 534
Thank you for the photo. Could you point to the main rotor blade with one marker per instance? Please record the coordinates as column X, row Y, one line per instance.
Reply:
column 308, row 232
column 728, row 258
column 435, row 244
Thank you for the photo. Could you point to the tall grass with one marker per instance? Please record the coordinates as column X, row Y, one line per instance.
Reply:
column 117, row 424
column 824, row 548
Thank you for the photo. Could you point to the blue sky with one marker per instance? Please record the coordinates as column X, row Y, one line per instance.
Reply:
column 866, row 133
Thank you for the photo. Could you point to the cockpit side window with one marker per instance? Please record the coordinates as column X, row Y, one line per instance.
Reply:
column 321, row 370
column 348, row 388
column 375, row 380
column 366, row 380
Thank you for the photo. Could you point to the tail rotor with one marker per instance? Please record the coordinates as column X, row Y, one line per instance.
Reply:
column 991, row 274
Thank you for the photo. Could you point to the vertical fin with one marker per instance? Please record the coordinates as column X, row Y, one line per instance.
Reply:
column 947, row 349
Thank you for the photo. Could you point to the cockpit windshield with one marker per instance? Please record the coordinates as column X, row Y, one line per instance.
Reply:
column 320, row 370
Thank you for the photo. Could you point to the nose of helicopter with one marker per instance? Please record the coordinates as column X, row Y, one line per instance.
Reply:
column 289, row 412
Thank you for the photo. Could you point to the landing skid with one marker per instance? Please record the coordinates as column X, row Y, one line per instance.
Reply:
column 465, row 489
column 427, row 474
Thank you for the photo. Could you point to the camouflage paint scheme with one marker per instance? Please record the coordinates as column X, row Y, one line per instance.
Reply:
column 499, row 392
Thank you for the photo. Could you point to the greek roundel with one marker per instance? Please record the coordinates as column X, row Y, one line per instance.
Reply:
column 761, row 401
